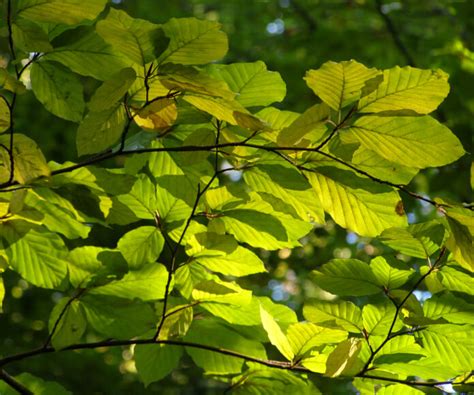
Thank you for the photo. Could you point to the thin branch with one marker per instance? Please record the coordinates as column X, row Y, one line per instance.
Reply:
column 199, row 194
column 398, row 307
column 407, row 382
column 394, row 33
column 15, row 384
column 61, row 315
column 284, row 365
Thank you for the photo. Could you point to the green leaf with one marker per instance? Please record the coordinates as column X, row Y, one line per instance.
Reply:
column 456, row 280
column 88, row 54
column 449, row 308
column 34, row 384
column 220, row 253
column 448, row 351
column 276, row 335
column 354, row 202
column 177, row 322
column 419, row 240
column 30, row 37
column 426, row 368
column 10, row 83
column 70, row 12
column 57, row 214
column 407, row 88
column 156, row 361
column 398, row 346
column 58, row 90
column 112, row 90
column 253, row 83
column 349, row 277
column 193, row 41
column 100, row 130
column 260, row 226
column 411, row 141
column 399, row 389
column 341, row 314
column 29, row 161
column 87, row 264
column 390, row 272
column 146, row 283
column 312, row 122
column 260, row 381
column 343, row 358
column 378, row 318
column 68, row 322
column 290, row 186
column 141, row 246
column 221, row 292
column 117, row 317
column 249, row 315
column 304, row 336
column 460, row 241
column 36, row 254
column 4, row 114
column 140, row 40
column 222, row 109
column 215, row 334
column 341, row 84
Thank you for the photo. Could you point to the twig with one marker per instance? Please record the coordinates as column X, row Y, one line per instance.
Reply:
column 15, row 384
column 398, row 307
column 394, row 33
column 61, row 315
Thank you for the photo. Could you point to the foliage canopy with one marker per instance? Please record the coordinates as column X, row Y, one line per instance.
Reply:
column 160, row 125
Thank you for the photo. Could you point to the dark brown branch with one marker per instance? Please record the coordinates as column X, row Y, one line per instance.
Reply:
column 15, row 384
column 61, row 315
column 199, row 195
column 398, row 307
column 284, row 365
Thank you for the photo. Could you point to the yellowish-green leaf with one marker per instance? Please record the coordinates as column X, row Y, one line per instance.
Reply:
column 4, row 114
column 276, row 335
column 36, row 254
column 28, row 159
column 349, row 277
column 146, row 283
column 303, row 336
column 70, row 12
column 456, row 280
column 157, row 116
column 356, row 203
column 378, row 318
column 450, row 308
column 340, row 84
column 390, row 272
column 253, row 83
column 411, row 141
column 343, row 358
column 312, row 122
column 141, row 246
column 407, row 88
column 341, row 314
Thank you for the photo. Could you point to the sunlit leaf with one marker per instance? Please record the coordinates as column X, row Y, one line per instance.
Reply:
column 347, row 277
column 340, row 84
column 407, row 88
column 156, row 361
